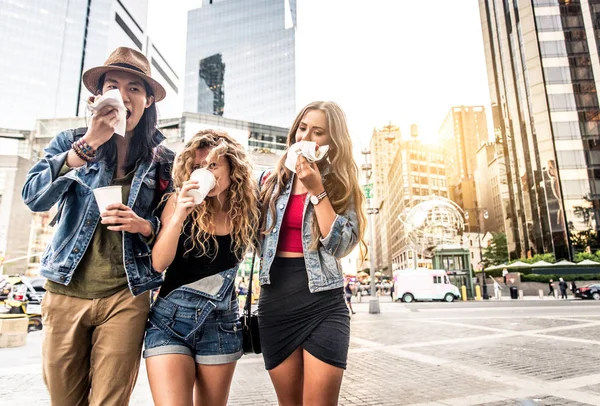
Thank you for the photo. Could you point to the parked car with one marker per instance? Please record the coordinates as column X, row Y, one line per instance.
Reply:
column 589, row 292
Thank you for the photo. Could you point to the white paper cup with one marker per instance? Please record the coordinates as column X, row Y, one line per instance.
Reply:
column 206, row 181
column 107, row 195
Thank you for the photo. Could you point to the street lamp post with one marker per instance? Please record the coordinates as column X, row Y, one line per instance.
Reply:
column 371, row 211
column 485, row 216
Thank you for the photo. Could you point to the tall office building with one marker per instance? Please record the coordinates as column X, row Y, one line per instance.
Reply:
column 240, row 60
column 463, row 131
column 47, row 45
column 544, row 72
column 492, row 188
column 417, row 172
column 383, row 146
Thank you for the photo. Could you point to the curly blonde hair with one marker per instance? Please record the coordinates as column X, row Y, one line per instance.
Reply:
column 341, row 183
column 241, row 204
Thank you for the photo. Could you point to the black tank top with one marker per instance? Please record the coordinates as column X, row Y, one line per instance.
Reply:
column 192, row 267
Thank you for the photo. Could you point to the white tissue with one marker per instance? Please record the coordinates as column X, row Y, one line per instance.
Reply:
column 307, row 149
column 114, row 99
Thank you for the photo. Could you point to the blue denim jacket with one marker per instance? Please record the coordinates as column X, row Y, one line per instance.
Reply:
column 322, row 264
column 79, row 214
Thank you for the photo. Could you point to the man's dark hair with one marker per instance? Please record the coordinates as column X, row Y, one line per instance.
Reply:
column 141, row 144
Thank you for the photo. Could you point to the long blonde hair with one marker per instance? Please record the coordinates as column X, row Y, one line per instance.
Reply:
column 341, row 183
column 242, row 203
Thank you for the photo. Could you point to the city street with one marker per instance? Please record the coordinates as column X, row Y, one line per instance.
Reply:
column 528, row 352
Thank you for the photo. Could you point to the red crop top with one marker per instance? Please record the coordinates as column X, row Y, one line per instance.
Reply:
column 290, row 235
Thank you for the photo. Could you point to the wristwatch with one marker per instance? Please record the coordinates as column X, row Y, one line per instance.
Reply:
column 316, row 199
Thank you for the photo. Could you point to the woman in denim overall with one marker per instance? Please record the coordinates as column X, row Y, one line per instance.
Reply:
column 193, row 338
column 311, row 219
column 98, row 261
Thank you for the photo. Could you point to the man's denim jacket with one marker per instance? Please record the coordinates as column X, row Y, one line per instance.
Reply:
column 78, row 214
column 322, row 264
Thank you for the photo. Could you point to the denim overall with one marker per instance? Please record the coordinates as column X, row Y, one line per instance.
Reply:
column 200, row 319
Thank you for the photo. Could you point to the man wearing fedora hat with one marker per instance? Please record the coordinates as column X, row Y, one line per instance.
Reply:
column 98, row 264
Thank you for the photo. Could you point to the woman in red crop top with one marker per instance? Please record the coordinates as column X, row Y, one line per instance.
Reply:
column 303, row 318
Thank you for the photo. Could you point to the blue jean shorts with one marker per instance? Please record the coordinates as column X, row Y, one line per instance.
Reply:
column 183, row 323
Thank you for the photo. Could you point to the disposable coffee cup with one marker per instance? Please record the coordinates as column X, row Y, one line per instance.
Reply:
column 107, row 195
column 206, row 180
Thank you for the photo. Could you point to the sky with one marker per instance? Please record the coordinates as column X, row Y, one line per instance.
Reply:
column 403, row 61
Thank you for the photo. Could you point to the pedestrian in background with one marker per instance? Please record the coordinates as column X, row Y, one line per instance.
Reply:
column 497, row 289
column 98, row 261
column 348, row 294
column 563, row 288
column 318, row 213
column 573, row 287
column 194, row 337
column 551, row 288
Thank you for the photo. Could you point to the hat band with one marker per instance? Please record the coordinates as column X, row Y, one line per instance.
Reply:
column 128, row 66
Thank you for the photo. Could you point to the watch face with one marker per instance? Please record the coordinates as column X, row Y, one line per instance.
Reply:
column 314, row 200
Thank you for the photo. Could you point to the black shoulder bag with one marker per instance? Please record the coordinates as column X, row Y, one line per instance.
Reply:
column 251, row 338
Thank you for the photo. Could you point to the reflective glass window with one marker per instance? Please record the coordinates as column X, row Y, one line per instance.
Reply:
column 566, row 130
column 553, row 48
column 562, row 102
column 548, row 23
column 571, row 159
column 559, row 74
column 575, row 189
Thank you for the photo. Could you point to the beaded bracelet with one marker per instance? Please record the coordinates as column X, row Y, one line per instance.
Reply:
column 83, row 150
column 80, row 154
column 86, row 148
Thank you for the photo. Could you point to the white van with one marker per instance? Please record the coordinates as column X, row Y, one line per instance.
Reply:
column 423, row 284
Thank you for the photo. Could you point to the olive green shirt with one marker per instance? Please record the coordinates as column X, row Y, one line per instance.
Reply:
column 101, row 272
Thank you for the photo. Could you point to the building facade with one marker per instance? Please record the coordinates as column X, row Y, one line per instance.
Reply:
column 544, row 71
column 463, row 131
column 491, row 187
column 47, row 45
column 384, row 145
column 240, row 60
column 417, row 173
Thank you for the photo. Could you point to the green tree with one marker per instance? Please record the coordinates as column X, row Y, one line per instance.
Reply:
column 497, row 251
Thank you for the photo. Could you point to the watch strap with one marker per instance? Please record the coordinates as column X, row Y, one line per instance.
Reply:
column 321, row 196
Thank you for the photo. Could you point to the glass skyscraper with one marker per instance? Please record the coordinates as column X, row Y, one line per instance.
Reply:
column 240, row 60
column 544, row 71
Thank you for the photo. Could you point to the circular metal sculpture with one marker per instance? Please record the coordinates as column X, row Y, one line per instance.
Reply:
column 433, row 222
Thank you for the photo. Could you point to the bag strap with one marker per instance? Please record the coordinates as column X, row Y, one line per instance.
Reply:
column 248, row 304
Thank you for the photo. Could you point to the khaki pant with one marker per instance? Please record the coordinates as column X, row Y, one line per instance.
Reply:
column 91, row 347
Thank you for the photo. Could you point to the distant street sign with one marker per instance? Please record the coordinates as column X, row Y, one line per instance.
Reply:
column 372, row 211
column 368, row 188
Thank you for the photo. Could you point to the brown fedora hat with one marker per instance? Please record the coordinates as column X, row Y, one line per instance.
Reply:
column 125, row 60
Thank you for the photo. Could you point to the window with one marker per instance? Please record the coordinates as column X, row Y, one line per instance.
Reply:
column 558, row 74
column 562, row 102
column 575, row 189
column 571, row 159
column 548, row 23
column 566, row 130
column 553, row 48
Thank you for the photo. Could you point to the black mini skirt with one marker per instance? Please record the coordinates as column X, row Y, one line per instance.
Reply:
column 291, row 317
